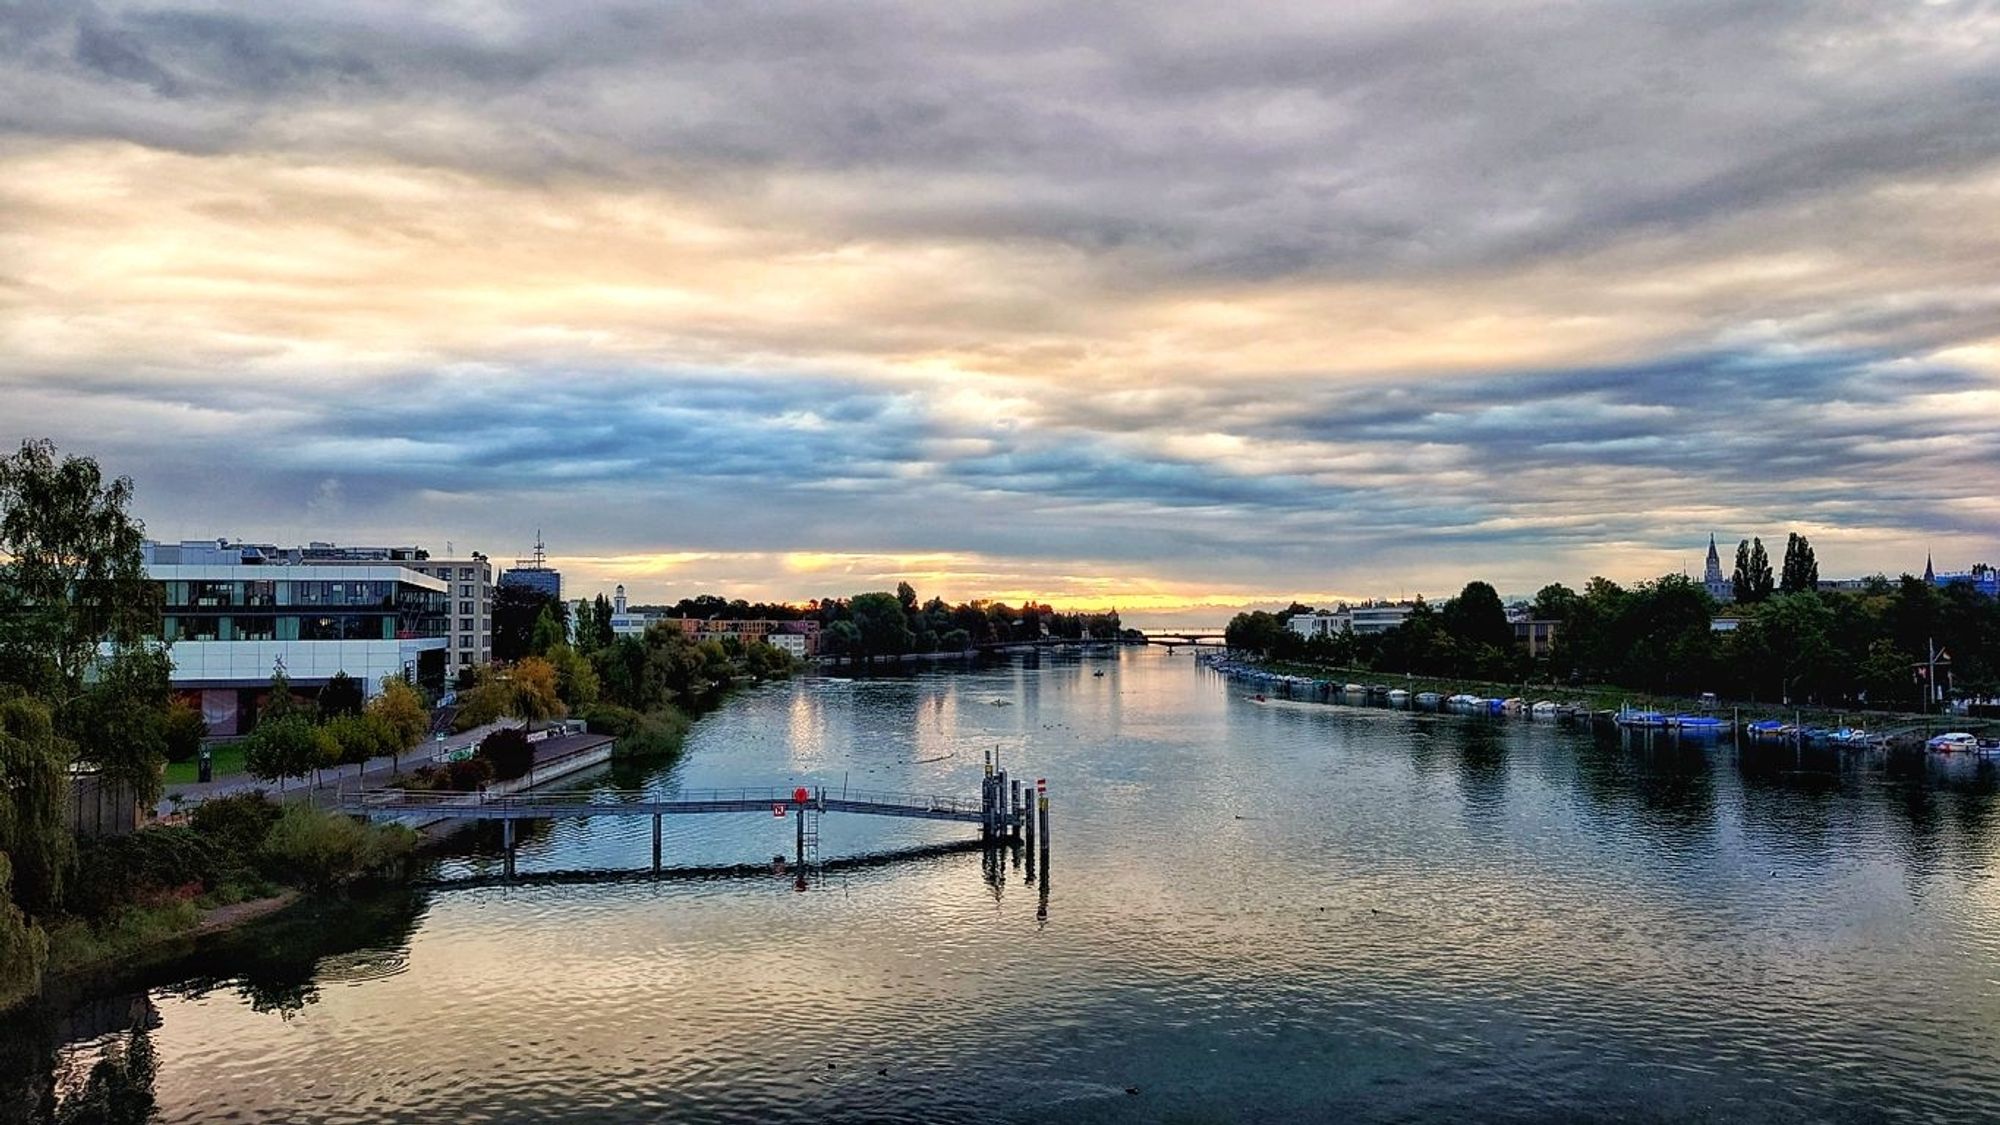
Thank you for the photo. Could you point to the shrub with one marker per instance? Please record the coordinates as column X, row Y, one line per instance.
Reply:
column 361, row 737
column 184, row 731
column 237, row 823
column 658, row 733
column 315, row 849
column 148, row 865
column 509, row 752
column 467, row 774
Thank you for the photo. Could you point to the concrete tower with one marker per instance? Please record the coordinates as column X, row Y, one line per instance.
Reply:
column 618, row 600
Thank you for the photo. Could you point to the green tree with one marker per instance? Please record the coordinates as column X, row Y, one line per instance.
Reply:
column 23, row 946
column 119, row 722
column 884, row 627
column 34, row 786
column 279, row 702
column 1255, row 631
column 73, row 575
column 287, row 747
column 1801, row 569
column 1751, row 581
column 517, row 610
column 597, row 633
column 535, row 694
column 185, row 731
column 576, row 680
column 548, row 631
column 342, row 695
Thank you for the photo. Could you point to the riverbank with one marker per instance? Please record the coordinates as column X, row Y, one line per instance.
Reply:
column 1604, row 698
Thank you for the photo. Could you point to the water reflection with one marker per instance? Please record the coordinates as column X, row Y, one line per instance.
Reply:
column 1271, row 911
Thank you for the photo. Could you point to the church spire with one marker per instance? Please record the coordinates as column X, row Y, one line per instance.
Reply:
column 1929, row 574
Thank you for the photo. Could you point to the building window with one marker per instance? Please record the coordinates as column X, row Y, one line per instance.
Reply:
column 465, row 624
column 465, row 607
column 210, row 594
column 465, row 574
column 465, row 591
column 256, row 628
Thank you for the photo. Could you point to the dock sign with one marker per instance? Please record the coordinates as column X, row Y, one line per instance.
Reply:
column 778, row 810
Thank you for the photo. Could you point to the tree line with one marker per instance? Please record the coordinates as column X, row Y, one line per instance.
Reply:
column 1792, row 643
column 882, row 624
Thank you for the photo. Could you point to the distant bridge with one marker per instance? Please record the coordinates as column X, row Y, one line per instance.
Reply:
column 1209, row 638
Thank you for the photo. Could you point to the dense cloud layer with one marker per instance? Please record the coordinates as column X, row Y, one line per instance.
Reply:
column 1361, row 298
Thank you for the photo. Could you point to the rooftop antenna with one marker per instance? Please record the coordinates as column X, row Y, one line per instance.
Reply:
column 447, row 549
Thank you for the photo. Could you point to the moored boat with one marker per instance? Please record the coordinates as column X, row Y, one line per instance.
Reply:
column 1398, row 697
column 1543, row 709
column 1646, row 720
column 1953, row 743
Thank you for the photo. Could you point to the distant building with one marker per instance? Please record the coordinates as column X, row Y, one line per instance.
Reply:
column 534, row 573
column 1362, row 620
column 1718, row 586
column 800, row 638
column 1983, row 578
column 1536, row 636
column 470, row 584
column 235, row 612
column 625, row 622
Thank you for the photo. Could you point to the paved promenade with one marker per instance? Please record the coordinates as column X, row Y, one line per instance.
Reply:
column 374, row 772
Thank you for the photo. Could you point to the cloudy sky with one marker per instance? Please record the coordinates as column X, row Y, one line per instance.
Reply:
column 1169, row 306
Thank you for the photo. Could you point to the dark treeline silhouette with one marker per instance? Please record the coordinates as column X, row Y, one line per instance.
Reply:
column 1867, row 648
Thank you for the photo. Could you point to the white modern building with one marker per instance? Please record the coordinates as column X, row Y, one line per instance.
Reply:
column 234, row 613
column 1361, row 620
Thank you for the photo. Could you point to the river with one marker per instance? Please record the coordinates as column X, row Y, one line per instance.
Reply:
column 1256, row 912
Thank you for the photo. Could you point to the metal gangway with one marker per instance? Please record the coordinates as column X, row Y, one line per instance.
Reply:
column 998, row 810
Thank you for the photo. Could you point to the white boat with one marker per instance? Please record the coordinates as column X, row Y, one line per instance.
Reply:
column 1398, row 697
column 1955, row 742
column 1543, row 709
column 1354, row 689
column 1428, row 699
column 1513, row 705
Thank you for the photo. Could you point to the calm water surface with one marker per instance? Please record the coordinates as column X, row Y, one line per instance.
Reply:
column 1257, row 912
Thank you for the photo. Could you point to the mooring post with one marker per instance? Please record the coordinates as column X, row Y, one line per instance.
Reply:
column 1044, row 811
column 802, row 832
column 1000, row 805
column 1014, row 803
column 1028, row 829
column 656, row 843
column 507, row 844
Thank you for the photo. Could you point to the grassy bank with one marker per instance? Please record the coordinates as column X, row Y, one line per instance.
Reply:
column 228, row 759
column 141, row 896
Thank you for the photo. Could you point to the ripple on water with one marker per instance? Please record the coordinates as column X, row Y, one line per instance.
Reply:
column 1256, row 913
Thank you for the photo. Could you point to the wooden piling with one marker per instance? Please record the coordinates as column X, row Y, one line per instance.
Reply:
column 1014, row 804
column 656, row 843
column 1044, row 812
column 802, row 834
column 507, row 845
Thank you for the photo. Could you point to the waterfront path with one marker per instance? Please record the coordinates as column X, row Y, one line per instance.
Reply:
column 374, row 772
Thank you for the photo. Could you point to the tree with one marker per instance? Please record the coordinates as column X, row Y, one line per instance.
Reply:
column 510, row 752
column 1751, row 581
column 1256, row 631
column 185, row 731
column 290, row 746
column 1801, row 570
column 576, row 680
column 885, row 629
column 279, row 702
column 119, row 721
column 516, row 612
column 34, row 786
column 342, row 695
column 533, row 684
column 548, row 632
column 596, row 633
column 73, row 575
column 402, row 714
column 1554, row 602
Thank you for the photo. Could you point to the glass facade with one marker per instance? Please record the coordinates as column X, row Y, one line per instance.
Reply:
column 269, row 610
